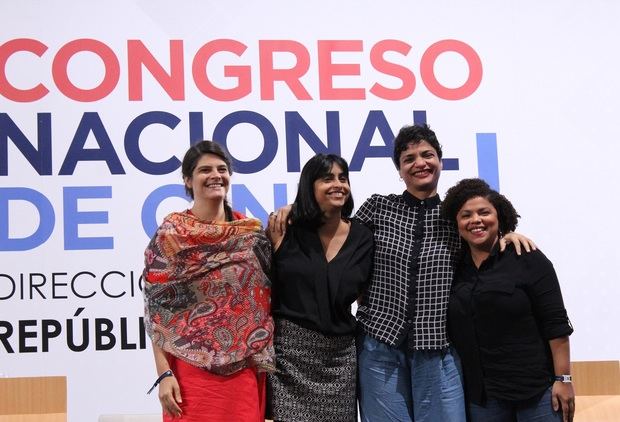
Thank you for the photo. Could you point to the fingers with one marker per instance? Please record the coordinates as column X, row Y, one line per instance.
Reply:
column 177, row 398
column 520, row 243
column 570, row 411
column 170, row 396
column 518, row 248
column 278, row 220
column 566, row 405
column 176, row 410
column 526, row 245
column 170, row 406
column 272, row 224
column 555, row 403
column 567, row 410
column 502, row 245
column 281, row 217
column 274, row 228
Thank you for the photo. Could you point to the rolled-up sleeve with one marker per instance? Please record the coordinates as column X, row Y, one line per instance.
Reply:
column 546, row 297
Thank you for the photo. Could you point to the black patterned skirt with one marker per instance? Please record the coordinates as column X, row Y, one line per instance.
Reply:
column 315, row 376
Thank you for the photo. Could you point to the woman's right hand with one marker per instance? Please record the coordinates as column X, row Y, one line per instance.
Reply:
column 170, row 396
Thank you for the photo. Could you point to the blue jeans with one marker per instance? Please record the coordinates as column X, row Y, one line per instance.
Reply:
column 537, row 409
column 399, row 385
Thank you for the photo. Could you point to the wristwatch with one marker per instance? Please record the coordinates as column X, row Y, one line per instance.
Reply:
column 563, row 378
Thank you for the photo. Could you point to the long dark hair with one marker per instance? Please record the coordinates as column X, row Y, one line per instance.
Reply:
column 306, row 210
column 190, row 161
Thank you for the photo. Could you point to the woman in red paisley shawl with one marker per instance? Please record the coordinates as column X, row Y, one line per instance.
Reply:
column 207, row 301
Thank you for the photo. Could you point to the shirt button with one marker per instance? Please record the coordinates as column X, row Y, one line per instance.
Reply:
column 409, row 321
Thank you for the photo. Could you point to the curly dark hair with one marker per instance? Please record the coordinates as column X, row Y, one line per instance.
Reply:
column 467, row 189
column 305, row 210
column 414, row 134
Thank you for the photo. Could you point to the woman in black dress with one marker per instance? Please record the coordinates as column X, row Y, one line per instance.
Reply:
column 320, row 266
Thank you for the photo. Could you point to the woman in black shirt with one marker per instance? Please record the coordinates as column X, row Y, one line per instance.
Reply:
column 320, row 267
column 506, row 316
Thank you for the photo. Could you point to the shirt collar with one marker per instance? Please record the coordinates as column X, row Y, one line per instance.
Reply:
column 493, row 255
column 412, row 201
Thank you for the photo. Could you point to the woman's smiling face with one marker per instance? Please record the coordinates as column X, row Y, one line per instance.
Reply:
column 210, row 179
column 332, row 190
column 478, row 223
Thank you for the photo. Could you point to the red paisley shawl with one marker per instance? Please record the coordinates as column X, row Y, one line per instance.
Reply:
column 207, row 293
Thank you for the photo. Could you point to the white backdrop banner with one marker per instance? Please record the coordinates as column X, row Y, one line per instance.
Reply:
column 99, row 101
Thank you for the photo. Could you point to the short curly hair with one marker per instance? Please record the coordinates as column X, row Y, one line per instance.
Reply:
column 414, row 134
column 467, row 189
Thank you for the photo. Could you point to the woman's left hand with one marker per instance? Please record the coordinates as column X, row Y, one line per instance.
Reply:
column 518, row 240
column 563, row 398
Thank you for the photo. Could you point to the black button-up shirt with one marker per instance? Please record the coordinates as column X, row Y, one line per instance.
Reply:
column 501, row 317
